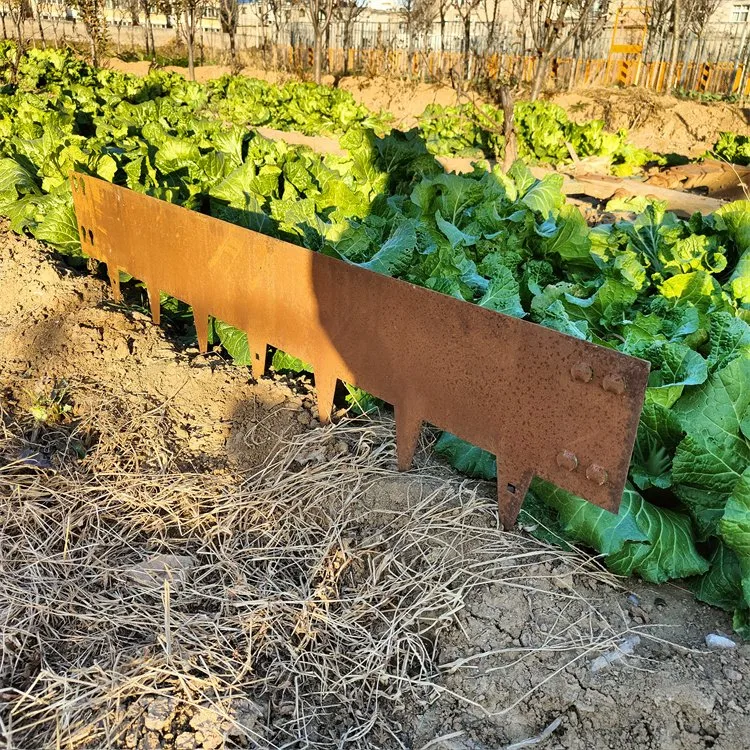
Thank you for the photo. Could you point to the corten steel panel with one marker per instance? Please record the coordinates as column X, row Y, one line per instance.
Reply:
column 544, row 403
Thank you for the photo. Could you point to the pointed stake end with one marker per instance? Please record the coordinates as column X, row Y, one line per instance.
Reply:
column 325, row 386
column 200, row 319
column 408, row 427
column 511, row 493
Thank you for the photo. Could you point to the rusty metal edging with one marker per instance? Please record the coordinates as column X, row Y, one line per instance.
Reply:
column 544, row 403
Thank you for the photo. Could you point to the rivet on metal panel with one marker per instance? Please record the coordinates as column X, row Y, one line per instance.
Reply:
column 596, row 474
column 614, row 384
column 582, row 372
column 567, row 460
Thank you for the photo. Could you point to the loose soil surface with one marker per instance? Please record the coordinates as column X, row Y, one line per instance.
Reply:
column 190, row 560
column 660, row 122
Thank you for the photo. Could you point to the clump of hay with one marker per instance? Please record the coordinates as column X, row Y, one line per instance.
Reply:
column 304, row 599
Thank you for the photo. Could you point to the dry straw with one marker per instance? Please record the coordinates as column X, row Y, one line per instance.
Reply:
column 318, row 585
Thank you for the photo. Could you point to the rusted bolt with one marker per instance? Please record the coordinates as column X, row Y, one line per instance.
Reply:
column 567, row 460
column 582, row 372
column 614, row 384
column 596, row 474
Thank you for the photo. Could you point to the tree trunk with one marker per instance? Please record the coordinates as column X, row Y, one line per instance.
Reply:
column 38, row 14
column 19, row 47
column 467, row 46
column 95, row 42
column 442, row 29
column 491, row 30
column 5, row 30
column 540, row 76
column 509, row 131
column 190, row 42
column 318, row 55
column 346, row 41
column 675, row 44
column 233, row 48
column 146, row 30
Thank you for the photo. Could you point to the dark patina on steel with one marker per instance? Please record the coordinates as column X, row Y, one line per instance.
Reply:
column 544, row 403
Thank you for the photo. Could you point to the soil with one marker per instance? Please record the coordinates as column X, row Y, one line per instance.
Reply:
column 512, row 657
column 660, row 122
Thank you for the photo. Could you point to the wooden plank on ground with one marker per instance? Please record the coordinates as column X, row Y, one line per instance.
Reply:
column 604, row 187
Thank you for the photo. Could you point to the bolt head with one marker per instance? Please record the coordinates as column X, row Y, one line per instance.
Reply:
column 596, row 474
column 567, row 460
column 614, row 384
column 582, row 372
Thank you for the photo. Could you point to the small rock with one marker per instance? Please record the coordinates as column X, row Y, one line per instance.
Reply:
column 160, row 714
column 150, row 741
column 185, row 741
column 131, row 738
column 634, row 600
column 304, row 418
column 30, row 457
column 160, row 568
column 626, row 648
column 181, row 432
column 719, row 642
column 341, row 448
column 312, row 455
column 121, row 349
column 733, row 675
column 564, row 581
column 209, row 729
column 246, row 714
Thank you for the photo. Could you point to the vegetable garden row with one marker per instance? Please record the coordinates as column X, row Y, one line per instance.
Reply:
column 673, row 291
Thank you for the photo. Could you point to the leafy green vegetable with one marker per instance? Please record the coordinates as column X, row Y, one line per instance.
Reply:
column 674, row 292
column 465, row 457
column 733, row 147
column 543, row 131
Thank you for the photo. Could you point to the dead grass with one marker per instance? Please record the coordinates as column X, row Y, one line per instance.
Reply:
column 317, row 585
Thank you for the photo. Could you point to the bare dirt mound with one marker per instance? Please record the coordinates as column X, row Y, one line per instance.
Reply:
column 191, row 561
column 404, row 99
column 58, row 326
column 660, row 122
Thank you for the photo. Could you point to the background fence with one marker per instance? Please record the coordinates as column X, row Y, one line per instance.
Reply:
column 716, row 61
